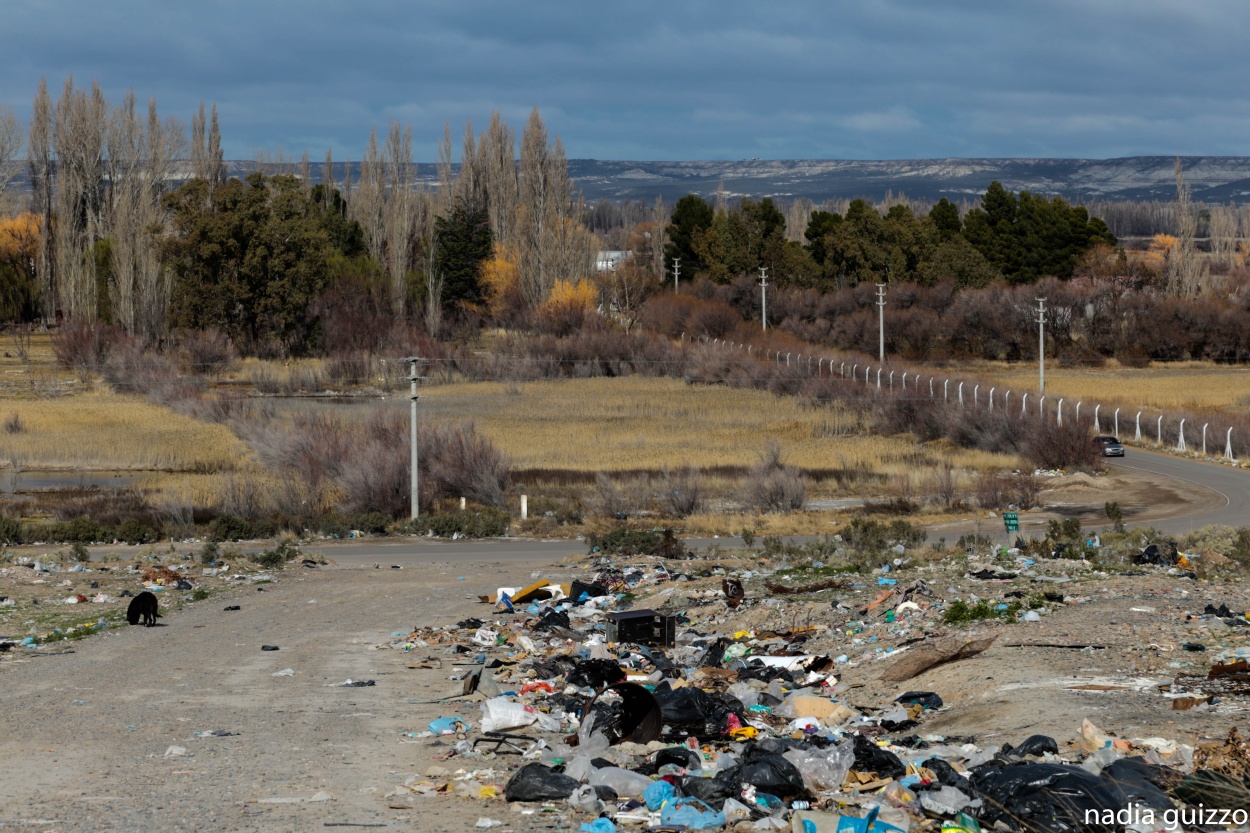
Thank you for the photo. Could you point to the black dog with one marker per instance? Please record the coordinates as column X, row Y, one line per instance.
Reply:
column 144, row 607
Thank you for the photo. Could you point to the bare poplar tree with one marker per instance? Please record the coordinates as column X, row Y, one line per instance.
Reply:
column 1186, row 274
column 366, row 200
column 658, row 236
column 199, row 144
column 10, row 146
column 798, row 215
column 79, row 138
column 1224, row 232
column 496, row 153
column 327, row 181
column 142, row 157
column 399, row 221
column 536, row 209
column 305, row 173
column 39, row 159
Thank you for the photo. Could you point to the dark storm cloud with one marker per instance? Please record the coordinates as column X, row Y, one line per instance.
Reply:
column 650, row 80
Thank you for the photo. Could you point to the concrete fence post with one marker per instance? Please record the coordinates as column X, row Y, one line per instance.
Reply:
column 1137, row 430
column 525, row 507
column 1059, row 417
column 991, row 399
column 1228, row 445
column 1180, row 441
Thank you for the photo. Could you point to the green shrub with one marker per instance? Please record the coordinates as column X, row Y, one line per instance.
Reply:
column 11, row 532
column 960, row 612
column 135, row 531
column 199, row 595
column 486, row 523
column 209, row 553
column 629, row 542
column 276, row 558
column 83, row 530
column 229, row 528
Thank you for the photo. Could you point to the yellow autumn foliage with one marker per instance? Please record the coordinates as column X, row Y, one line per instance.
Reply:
column 19, row 242
column 568, row 295
column 501, row 279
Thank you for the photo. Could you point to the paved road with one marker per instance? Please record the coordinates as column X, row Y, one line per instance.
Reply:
column 1230, row 488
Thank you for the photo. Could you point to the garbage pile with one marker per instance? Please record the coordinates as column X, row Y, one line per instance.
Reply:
column 637, row 717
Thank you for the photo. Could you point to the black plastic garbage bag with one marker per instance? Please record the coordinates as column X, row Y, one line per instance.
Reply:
column 595, row 673
column 552, row 620
column 770, row 773
column 713, row 791
column 1033, row 745
column 1046, row 798
column 536, row 782
column 692, row 710
column 946, row 774
column 928, row 699
column 1142, row 782
column 1165, row 556
column 872, row 758
column 679, row 755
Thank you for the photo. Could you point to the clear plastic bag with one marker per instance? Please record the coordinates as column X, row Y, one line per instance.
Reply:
column 822, row 769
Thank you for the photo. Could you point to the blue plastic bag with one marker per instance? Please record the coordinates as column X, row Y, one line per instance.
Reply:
column 449, row 725
column 598, row 826
column 657, row 793
column 693, row 813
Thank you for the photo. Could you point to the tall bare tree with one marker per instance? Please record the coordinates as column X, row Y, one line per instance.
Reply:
column 142, row 157
column 367, row 198
column 400, row 212
column 496, row 153
column 1186, row 274
column 327, row 180
column 10, row 146
column 1225, row 220
column 39, row 159
column 80, row 125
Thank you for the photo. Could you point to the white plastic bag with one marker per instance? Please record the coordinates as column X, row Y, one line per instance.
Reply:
column 822, row 769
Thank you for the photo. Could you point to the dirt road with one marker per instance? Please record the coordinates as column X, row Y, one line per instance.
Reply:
column 84, row 736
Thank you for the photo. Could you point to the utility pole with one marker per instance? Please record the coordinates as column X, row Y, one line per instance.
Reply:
column 764, row 296
column 1041, row 345
column 881, row 322
column 413, row 378
column 676, row 271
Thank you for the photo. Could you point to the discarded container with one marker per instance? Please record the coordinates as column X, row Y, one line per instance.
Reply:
column 645, row 627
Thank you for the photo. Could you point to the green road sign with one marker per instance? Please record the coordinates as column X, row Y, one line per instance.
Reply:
column 1011, row 521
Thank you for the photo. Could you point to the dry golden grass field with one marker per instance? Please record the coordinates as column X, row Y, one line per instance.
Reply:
column 1180, row 385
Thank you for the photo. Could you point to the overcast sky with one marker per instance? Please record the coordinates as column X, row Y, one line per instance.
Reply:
column 808, row 79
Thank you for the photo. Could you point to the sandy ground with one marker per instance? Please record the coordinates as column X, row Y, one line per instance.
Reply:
column 85, row 736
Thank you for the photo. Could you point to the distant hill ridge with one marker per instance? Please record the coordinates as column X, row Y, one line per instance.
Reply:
column 1212, row 179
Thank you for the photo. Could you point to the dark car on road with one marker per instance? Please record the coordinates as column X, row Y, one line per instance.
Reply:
column 1110, row 445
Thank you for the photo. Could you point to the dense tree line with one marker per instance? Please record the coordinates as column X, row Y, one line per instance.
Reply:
column 1020, row 238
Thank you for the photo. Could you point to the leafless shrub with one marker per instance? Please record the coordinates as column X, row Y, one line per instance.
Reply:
column 82, row 345
column 992, row 490
column 1051, row 446
column 132, row 369
column 773, row 486
column 1026, row 491
column 13, row 424
column 205, row 352
column 610, row 499
column 263, row 381
column 944, row 485
column 19, row 337
column 240, row 496
column 349, row 371
column 683, row 491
